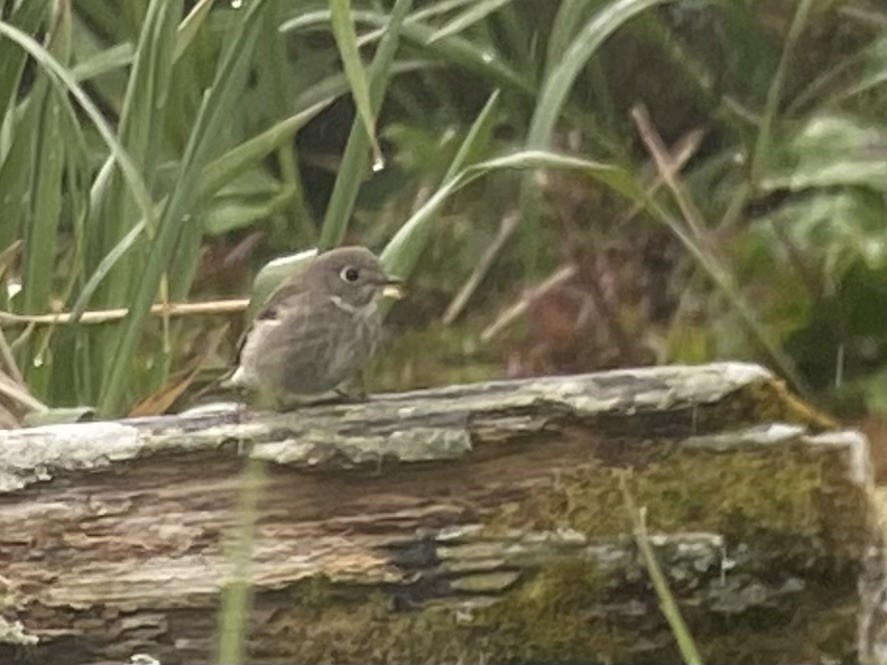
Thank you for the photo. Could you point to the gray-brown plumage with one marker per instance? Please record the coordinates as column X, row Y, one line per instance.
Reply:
column 317, row 330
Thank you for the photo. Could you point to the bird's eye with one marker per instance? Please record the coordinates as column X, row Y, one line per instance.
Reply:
column 349, row 274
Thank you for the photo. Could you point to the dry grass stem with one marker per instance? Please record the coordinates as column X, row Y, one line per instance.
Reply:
column 683, row 151
column 506, row 229
column 8, row 319
column 557, row 278
column 668, row 169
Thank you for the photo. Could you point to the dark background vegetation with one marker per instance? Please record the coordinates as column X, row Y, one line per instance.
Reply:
column 766, row 242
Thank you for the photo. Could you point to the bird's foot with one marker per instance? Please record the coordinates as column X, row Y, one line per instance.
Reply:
column 337, row 396
column 350, row 396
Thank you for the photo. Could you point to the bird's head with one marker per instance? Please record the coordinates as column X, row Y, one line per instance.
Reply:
column 353, row 274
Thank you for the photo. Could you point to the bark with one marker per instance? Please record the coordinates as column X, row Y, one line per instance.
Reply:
column 475, row 523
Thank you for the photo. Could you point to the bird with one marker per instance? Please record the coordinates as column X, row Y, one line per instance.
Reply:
column 316, row 331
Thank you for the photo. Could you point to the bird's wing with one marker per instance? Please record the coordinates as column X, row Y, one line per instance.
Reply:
column 288, row 297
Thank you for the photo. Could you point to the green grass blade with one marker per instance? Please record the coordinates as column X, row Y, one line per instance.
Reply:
column 27, row 18
column 570, row 14
column 474, row 14
column 106, row 264
column 723, row 280
column 336, row 85
column 234, row 609
column 225, row 91
column 667, row 603
column 67, row 84
column 478, row 135
column 141, row 118
column 402, row 253
column 41, row 230
column 354, row 160
column 559, row 83
column 346, row 39
column 762, row 147
column 15, row 172
column 190, row 26
column 453, row 50
column 42, row 226
column 112, row 58
column 553, row 97
column 844, row 78
column 234, row 162
column 141, row 129
column 437, row 9
column 214, row 176
column 121, row 55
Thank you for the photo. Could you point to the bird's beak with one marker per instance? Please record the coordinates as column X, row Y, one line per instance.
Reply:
column 393, row 288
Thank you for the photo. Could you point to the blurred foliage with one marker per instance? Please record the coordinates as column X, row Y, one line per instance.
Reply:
column 222, row 135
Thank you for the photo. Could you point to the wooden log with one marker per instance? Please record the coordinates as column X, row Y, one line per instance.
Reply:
column 475, row 523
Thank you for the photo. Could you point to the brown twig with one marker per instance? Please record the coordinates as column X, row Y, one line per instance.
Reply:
column 19, row 393
column 560, row 276
column 683, row 151
column 8, row 319
column 668, row 169
column 506, row 228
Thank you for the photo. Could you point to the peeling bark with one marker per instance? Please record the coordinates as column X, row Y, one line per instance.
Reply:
column 477, row 523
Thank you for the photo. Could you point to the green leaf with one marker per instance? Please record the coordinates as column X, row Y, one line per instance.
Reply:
column 214, row 176
column 570, row 15
column 401, row 255
column 27, row 18
column 114, row 57
column 190, row 26
column 827, row 151
column 554, row 94
column 226, row 90
column 562, row 76
column 848, row 76
column 478, row 136
column 346, row 39
column 63, row 79
column 835, row 230
column 354, row 161
column 763, row 144
column 477, row 12
column 251, row 152
column 455, row 51
column 121, row 55
column 229, row 213
column 141, row 129
column 41, row 230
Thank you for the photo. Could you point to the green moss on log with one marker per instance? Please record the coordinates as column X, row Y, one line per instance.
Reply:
column 563, row 613
column 774, row 500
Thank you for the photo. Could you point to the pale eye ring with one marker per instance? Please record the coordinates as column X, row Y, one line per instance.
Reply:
column 350, row 274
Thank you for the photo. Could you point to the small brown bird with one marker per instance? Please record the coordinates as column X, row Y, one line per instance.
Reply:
column 317, row 330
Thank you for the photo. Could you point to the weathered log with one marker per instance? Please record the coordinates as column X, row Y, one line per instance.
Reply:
column 476, row 523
